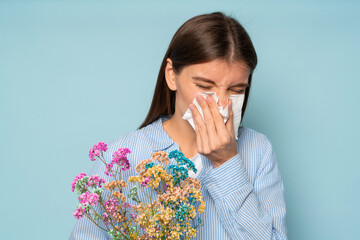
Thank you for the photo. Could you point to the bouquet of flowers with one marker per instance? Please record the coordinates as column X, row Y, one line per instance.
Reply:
column 171, row 211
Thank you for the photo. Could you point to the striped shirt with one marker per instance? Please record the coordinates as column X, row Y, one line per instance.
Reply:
column 244, row 196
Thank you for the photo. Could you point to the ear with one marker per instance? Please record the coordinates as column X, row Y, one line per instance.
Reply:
column 170, row 75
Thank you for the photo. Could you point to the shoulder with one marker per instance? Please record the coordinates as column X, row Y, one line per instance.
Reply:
column 140, row 141
column 132, row 138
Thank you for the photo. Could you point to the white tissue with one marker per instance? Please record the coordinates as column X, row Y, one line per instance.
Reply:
column 237, row 103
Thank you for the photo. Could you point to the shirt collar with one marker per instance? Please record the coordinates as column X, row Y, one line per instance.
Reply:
column 158, row 135
column 162, row 141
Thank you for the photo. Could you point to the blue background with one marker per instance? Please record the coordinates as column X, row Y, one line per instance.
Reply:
column 77, row 72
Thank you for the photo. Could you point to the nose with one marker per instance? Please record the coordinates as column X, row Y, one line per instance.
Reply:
column 223, row 98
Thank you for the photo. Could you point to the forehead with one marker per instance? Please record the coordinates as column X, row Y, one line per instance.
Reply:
column 220, row 71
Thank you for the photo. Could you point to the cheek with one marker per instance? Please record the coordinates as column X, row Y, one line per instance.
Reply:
column 186, row 96
column 186, row 92
column 185, row 101
column 190, row 97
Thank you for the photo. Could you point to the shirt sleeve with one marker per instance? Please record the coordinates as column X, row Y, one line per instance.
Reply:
column 249, row 211
column 84, row 228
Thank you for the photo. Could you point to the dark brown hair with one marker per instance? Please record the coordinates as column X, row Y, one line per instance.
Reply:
column 201, row 39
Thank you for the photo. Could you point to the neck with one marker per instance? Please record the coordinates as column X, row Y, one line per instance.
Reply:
column 182, row 133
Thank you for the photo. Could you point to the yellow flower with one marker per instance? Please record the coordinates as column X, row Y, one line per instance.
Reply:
column 161, row 156
column 192, row 232
column 134, row 179
column 119, row 195
column 175, row 235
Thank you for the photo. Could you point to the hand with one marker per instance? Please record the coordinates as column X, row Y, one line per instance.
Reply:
column 214, row 139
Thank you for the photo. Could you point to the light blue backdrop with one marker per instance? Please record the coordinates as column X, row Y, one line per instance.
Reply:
column 77, row 72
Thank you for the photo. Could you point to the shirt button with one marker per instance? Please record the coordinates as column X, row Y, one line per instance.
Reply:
column 211, row 186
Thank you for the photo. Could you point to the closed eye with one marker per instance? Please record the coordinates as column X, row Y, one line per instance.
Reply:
column 207, row 88
column 239, row 91
column 203, row 87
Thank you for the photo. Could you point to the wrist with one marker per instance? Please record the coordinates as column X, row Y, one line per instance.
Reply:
column 223, row 160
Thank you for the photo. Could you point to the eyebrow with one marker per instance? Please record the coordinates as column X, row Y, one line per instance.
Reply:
column 212, row 82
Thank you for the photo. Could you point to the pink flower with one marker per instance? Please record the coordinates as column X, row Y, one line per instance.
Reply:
column 95, row 181
column 145, row 182
column 119, row 158
column 106, row 218
column 108, row 169
column 97, row 149
column 79, row 213
column 126, row 205
column 88, row 198
column 78, row 177
column 111, row 207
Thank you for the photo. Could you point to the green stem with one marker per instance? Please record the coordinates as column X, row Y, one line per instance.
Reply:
column 89, row 217
column 114, row 175
column 152, row 209
column 143, row 191
column 111, row 223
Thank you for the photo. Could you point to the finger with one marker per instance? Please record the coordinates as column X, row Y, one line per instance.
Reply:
column 198, row 138
column 218, row 119
column 198, row 133
column 200, row 130
column 208, row 109
column 230, row 122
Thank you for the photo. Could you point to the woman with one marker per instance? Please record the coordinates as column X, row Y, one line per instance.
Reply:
column 210, row 54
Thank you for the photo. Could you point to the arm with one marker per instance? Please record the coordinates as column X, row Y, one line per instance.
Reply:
column 250, row 211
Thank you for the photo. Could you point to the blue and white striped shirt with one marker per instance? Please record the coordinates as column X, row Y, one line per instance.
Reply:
column 244, row 196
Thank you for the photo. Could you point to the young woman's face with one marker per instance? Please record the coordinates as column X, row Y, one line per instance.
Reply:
column 214, row 76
